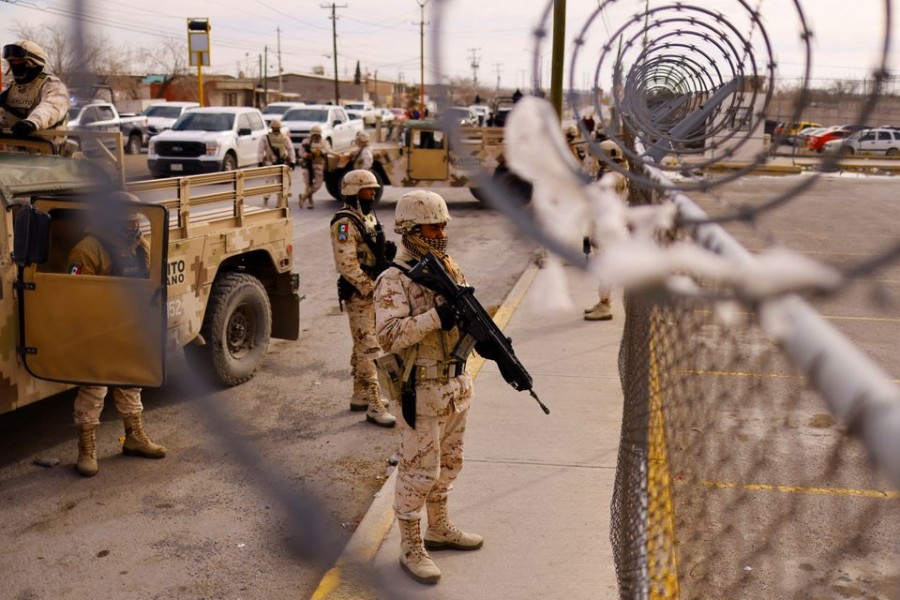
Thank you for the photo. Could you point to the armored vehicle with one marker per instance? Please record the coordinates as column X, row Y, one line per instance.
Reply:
column 220, row 284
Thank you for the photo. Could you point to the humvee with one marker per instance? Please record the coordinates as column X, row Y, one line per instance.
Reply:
column 220, row 285
column 425, row 158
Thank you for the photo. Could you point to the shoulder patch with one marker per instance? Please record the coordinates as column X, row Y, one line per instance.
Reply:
column 343, row 232
column 75, row 268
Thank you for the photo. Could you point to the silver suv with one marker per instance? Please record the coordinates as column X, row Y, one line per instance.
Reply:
column 868, row 141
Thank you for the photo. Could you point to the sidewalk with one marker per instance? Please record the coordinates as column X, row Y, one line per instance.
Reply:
column 538, row 487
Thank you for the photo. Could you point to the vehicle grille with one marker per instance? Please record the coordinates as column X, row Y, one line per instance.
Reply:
column 180, row 148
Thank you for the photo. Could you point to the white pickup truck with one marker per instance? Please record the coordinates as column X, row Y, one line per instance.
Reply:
column 103, row 116
column 362, row 110
column 207, row 140
column 337, row 127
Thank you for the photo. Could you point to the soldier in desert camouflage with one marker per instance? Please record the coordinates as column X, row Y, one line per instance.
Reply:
column 414, row 323
column 35, row 100
column 360, row 254
column 617, row 183
column 313, row 153
column 120, row 252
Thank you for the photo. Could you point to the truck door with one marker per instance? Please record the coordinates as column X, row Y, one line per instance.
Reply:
column 94, row 329
column 428, row 155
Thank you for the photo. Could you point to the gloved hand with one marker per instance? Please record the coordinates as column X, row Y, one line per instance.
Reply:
column 390, row 250
column 24, row 128
column 447, row 315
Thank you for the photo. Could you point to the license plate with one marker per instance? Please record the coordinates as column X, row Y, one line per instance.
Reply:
column 176, row 167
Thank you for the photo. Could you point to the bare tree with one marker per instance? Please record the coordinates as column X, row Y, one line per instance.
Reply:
column 169, row 58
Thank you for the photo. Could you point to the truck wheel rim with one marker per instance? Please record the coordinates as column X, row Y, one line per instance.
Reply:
column 241, row 332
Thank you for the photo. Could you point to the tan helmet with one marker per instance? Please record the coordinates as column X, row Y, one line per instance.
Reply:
column 612, row 150
column 362, row 138
column 316, row 130
column 419, row 207
column 572, row 131
column 275, row 125
column 33, row 54
column 357, row 180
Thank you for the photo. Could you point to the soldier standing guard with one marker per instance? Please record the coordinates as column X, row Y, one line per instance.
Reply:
column 360, row 254
column 364, row 158
column 275, row 148
column 35, row 99
column 313, row 153
column 124, row 253
column 419, row 327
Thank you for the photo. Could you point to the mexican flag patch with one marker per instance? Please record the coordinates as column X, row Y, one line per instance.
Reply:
column 343, row 232
column 74, row 269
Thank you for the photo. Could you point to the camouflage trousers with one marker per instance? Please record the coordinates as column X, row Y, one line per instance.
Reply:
column 89, row 403
column 318, row 171
column 361, row 314
column 431, row 457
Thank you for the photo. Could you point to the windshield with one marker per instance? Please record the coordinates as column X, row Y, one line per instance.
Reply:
column 306, row 114
column 355, row 106
column 202, row 121
column 73, row 112
column 166, row 112
column 275, row 110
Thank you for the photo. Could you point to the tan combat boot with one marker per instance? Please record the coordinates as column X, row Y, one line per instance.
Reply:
column 87, row 451
column 443, row 535
column 137, row 442
column 360, row 399
column 601, row 312
column 413, row 557
column 378, row 414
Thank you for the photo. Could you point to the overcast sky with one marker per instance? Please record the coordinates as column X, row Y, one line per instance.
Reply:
column 383, row 35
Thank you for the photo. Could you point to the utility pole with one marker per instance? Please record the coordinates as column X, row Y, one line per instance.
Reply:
column 497, row 69
column 422, row 4
column 334, row 7
column 266, row 75
column 559, row 49
column 280, row 84
column 474, row 65
column 255, row 94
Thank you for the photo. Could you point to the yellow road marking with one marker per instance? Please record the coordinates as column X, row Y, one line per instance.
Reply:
column 661, row 558
column 705, row 311
column 796, row 489
column 744, row 374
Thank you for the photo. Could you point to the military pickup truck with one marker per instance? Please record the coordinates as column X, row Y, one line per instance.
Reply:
column 220, row 285
column 426, row 158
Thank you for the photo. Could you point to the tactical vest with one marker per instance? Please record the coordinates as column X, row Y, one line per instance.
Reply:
column 20, row 100
column 128, row 263
column 276, row 143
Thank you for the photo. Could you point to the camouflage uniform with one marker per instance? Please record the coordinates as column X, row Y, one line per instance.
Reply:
column 312, row 157
column 406, row 322
column 350, row 253
column 275, row 148
column 92, row 257
column 44, row 101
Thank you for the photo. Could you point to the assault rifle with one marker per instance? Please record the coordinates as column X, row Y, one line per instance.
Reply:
column 478, row 329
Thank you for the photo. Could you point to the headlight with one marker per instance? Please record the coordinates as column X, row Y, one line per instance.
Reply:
column 212, row 148
column 151, row 146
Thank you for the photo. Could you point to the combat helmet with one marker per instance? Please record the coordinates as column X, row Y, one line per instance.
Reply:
column 31, row 53
column 612, row 150
column 419, row 207
column 357, row 180
column 315, row 130
column 362, row 138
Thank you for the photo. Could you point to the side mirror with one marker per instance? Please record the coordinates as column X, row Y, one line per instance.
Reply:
column 244, row 131
column 31, row 231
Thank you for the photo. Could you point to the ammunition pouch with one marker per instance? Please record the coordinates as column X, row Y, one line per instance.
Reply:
column 345, row 290
column 398, row 380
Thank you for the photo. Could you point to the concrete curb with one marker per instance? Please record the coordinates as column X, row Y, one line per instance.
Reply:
column 378, row 520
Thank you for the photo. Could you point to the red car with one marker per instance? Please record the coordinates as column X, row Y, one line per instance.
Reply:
column 817, row 142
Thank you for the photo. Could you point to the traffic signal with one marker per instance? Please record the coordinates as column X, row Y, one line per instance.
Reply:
column 198, row 25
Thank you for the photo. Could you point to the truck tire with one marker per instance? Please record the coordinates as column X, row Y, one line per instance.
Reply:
column 333, row 184
column 134, row 143
column 236, row 327
column 229, row 163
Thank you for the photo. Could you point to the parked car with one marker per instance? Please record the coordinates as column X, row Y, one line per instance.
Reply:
column 400, row 115
column 787, row 131
column 161, row 116
column 387, row 117
column 276, row 110
column 483, row 112
column 868, row 141
column 206, row 140
column 365, row 111
column 460, row 115
column 103, row 116
column 337, row 127
column 816, row 143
